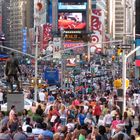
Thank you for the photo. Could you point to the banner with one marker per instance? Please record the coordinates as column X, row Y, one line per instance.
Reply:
column 40, row 15
column 56, row 47
column 77, row 47
column 24, row 43
column 97, row 28
column 47, row 28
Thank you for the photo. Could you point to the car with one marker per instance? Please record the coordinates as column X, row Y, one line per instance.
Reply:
column 27, row 105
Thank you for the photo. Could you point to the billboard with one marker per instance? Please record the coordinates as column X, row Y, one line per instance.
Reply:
column 52, row 76
column 138, row 51
column 39, row 15
column 77, row 46
column 71, row 62
column 72, row 6
column 72, row 20
column 47, row 28
column 97, row 23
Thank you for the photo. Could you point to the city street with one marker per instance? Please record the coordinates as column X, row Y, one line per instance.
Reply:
column 69, row 70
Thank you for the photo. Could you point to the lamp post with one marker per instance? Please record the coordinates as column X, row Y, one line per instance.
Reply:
column 62, row 60
column 39, row 7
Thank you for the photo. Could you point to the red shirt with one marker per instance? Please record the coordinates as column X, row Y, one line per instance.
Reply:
column 97, row 110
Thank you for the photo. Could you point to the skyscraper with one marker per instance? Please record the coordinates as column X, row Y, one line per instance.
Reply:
column 17, row 14
column 16, row 23
column 6, row 20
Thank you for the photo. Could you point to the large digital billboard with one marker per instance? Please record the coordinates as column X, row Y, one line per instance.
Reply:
column 72, row 6
column 72, row 20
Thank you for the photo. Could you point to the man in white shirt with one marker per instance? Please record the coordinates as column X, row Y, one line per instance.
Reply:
column 42, row 96
column 108, row 119
column 119, row 132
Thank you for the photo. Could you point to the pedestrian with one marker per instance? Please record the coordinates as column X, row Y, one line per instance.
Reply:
column 128, row 123
column 12, row 113
column 42, row 96
column 4, row 134
column 97, row 112
column 39, row 110
column 120, row 134
column 81, row 116
column 108, row 119
column 63, row 115
column 20, row 135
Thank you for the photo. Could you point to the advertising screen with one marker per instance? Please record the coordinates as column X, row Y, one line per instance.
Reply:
column 72, row 20
column 72, row 6
column 71, row 62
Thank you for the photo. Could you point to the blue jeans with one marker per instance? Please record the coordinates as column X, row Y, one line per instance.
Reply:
column 63, row 121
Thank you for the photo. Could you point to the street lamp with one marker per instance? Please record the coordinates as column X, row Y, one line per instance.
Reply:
column 62, row 59
column 39, row 6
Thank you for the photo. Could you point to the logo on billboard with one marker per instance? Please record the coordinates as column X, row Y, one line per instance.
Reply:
column 97, row 28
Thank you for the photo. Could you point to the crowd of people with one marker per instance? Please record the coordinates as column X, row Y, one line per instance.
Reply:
column 91, row 113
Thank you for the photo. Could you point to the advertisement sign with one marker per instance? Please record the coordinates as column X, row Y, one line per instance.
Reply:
column 138, row 51
column 47, row 28
column 56, row 47
column 52, row 76
column 72, row 1
column 71, row 62
column 78, row 47
column 72, row 20
column 39, row 15
column 97, row 28
column 24, row 43
column 73, row 44
column 72, row 6
column 75, row 37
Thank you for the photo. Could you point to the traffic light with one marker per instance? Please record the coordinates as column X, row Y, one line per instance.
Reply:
column 113, row 57
column 117, row 83
column 127, row 83
column 119, row 51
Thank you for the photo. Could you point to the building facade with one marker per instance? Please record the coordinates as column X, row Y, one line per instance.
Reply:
column 6, row 20
column 17, row 14
column 137, row 40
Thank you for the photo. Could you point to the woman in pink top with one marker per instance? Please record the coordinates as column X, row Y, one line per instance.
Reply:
column 115, row 123
column 76, row 102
